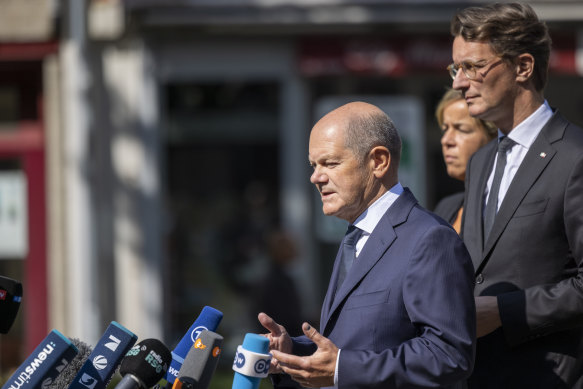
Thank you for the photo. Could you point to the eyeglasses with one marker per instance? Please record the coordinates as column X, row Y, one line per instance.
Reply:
column 469, row 68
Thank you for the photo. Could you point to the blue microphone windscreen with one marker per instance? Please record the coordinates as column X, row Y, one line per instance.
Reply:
column 256, row 343
column 208, row 319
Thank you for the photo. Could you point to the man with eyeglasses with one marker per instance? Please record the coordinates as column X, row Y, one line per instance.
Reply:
column 523, row 207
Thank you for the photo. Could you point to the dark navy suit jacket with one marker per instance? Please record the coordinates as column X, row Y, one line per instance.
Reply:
column 405, row 315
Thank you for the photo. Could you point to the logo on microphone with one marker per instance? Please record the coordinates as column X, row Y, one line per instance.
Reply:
column 88, row 381
column 216, row 351
column 100, row 362
column 133, row 351
column 239, row 360
column 199, row 344
column 62, row 366
column 155, row 360
column 196, row 332
column 3, row 294
column 113, row 344
column 262, row 366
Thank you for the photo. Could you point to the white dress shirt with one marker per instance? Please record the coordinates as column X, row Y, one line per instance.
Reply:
column 524, row 135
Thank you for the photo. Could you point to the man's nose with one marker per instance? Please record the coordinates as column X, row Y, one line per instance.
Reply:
column 317, row 176
column 461, row 81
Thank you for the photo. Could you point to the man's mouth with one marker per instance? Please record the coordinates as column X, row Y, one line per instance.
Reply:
column 450, row 158
column 470, row 98
column 326, row 194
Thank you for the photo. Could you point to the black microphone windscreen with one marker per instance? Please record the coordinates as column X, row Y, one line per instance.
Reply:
column 65, row 378
column 10, row 296
column 148, row 361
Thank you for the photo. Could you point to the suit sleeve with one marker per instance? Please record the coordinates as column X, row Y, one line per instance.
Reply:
column 438, row 296
column 552, row 307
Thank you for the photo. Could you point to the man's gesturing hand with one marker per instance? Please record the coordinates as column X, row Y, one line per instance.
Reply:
column 279, row 339
column 316, row 370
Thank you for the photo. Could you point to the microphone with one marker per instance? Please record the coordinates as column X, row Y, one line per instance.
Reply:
column 201, row 362
column 64, row 379
column 45, row 363
column 106, row 356
column 251, row 362
column 144, row 365
column 208, row 319
column 10, row 297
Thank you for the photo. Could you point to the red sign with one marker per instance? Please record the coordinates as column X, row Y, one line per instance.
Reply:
column 399, row 56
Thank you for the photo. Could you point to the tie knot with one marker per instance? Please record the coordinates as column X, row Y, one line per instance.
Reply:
column 352, row 235
column 505, row 144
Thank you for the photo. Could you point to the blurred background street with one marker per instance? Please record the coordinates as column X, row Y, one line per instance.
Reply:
column 153, row 153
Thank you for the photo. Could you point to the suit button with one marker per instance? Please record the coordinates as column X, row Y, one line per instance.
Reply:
column 479, row 278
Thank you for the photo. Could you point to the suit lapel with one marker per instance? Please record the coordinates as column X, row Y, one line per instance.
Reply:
column 484, row 174
column 536, row 160
column 474, row 209
column 379, row 241
column 326, row 305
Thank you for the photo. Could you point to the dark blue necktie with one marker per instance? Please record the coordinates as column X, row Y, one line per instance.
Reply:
column 348, row 252
column 492, row 205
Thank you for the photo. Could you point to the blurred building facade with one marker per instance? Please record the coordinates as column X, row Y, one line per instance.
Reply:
column 152, row 147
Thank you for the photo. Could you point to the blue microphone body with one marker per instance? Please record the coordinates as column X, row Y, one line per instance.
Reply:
column 209, row 320
column 105, row 358
column 45, row 363
column 256, row 344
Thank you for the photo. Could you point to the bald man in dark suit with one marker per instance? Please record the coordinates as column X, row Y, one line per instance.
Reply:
column 402, row 314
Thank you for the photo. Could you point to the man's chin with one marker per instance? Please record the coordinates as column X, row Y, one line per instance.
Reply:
column 476, row 111
column 329, row 210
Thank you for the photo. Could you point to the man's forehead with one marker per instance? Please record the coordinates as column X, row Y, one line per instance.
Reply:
column 470, row 51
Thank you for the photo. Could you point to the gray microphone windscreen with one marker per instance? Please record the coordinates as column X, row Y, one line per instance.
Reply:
column 202, row 359
column 65, row 378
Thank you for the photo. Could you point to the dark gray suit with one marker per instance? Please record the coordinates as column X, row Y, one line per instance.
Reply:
column 533, row 262
column 449, row 206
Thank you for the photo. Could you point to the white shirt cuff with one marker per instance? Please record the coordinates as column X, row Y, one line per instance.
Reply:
column 336, row 369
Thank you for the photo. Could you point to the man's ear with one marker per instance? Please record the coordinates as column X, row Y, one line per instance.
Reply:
column 524, row 67
column 380, row 159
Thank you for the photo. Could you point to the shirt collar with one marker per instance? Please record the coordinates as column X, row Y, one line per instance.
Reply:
column 369, row 219
column 526, row 132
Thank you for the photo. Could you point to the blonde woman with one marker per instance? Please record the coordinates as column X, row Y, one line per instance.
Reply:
column 461, row 136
